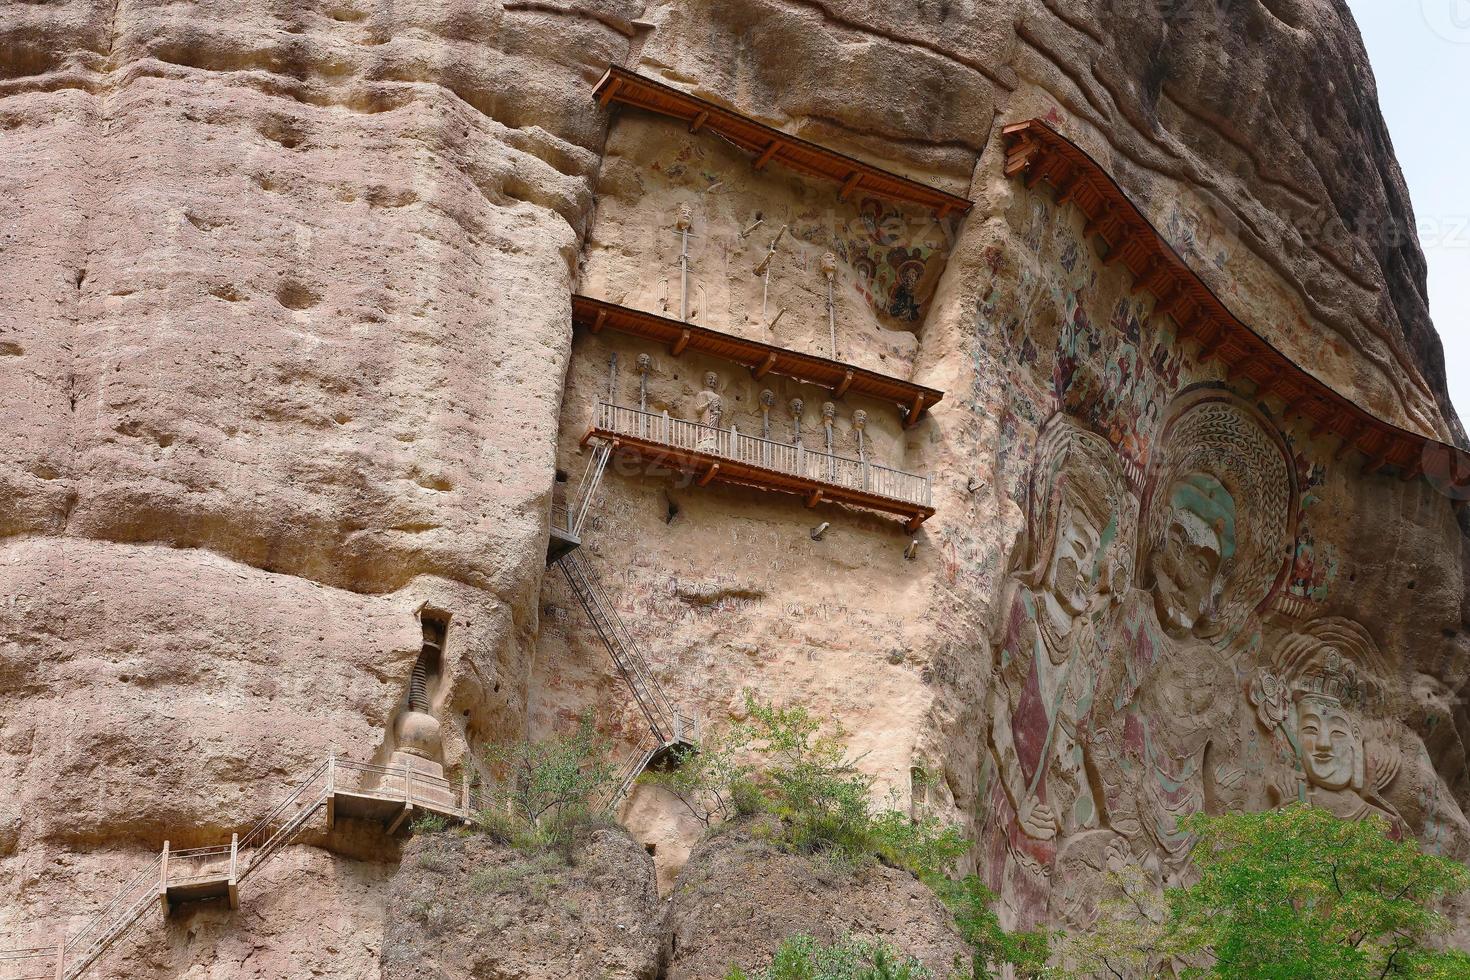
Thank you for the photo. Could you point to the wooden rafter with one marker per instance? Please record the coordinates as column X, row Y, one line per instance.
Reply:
column 1041, row 153
column 760, row 358
column 770, row 144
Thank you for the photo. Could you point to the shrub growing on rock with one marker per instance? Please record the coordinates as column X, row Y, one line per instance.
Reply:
column 549, row 794
column 803, row 958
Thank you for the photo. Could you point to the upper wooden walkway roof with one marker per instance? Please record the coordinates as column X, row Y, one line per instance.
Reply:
column 768, row 143
column 762, row 359
column 1036, row 152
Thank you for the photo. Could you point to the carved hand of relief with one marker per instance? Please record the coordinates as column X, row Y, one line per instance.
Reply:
column 1269, row 696
column 1285, row 786
column 1037, row 820
column 1384, row 758
column 1118, row 856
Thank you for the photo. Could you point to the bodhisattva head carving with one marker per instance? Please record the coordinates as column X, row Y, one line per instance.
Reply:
column 1331, row 745
column 1323, row 686
column 1073, row 567
column 1188, row 571
column 1080, row 512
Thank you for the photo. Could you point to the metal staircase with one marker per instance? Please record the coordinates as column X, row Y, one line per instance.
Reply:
column 671, row 728
column 620, row 645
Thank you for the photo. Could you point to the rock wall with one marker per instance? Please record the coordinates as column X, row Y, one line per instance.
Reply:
column 716, row 920
column 286, row 355
column 463, row 907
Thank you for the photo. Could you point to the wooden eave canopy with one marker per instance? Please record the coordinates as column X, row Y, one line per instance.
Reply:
column 621, row 85
column 717, row 469
column 1036, row 152
column 762, row 359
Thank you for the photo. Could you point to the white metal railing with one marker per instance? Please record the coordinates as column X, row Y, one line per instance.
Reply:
column 792, row 460
column 190, row 864
column 136, row 895
column 398, row 783
column 232, row 862
column 571, row 508
column 31, row 962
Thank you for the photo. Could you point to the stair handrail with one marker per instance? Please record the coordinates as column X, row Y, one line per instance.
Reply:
column 264, row 822
column 635, row 656
column 657, row 708
column 143, row 889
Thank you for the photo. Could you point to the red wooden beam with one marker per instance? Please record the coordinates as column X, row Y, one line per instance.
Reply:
column 1112, row 215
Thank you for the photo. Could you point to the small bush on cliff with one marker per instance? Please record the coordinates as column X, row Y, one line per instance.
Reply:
column 551, row 793
column 782, row 762
column 1287, row 893
column 715, row 782
column 992, row 948
column 803, row 958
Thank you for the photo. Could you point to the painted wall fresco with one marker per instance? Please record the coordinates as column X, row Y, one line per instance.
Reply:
column 1168, row 637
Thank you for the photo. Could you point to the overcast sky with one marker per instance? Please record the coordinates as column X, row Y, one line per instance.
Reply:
column 1420, row 51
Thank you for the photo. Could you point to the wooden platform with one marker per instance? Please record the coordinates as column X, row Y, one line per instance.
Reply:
column 201, row 890
column 770, row 144
column 199, row 874
column 388, row 809
column 711, row 468
column 762, row 359
column 1038, row 153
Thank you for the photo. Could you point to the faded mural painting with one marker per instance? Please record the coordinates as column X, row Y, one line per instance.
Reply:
column 1158, row 646
column 891, row 257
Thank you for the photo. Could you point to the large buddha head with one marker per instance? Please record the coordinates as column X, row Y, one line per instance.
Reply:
column 1188, row 569
column 1220, row 518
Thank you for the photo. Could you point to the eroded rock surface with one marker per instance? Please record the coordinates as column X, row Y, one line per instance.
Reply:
column 465, row 908
column 285, row 355
column 739, row 896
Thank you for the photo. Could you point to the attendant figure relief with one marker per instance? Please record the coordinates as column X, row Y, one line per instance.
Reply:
column 1322, row 697
column 1081, row 518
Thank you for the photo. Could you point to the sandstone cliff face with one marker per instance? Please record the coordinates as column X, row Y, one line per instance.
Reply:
column 738, row 897
column 462, row 907
column 285, row 353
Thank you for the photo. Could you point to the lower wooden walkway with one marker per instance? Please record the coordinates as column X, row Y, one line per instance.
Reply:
column 390, row 795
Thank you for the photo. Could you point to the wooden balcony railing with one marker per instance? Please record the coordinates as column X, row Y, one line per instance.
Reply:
column 733, row 457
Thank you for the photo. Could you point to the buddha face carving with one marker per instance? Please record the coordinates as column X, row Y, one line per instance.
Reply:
column 1329, row 744
column 1071, row 572
column 1220, row 506
column 1190, row 565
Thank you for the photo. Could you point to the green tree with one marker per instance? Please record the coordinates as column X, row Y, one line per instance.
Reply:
column 715, row 782
column 548, row 793
column 1133, row 937
column 1287, row 893
column 1299, row 893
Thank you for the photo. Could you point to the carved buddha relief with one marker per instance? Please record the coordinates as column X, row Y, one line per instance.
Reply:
column 1219, row 514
